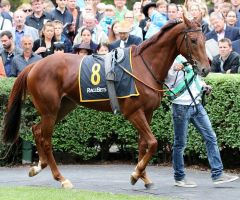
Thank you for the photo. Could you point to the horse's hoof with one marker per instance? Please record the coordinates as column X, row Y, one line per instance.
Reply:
column 134, row 178
column 149, row 186
column 32, row 172
column 67, row 184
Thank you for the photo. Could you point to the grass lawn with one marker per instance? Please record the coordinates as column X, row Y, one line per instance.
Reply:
column 42, row 193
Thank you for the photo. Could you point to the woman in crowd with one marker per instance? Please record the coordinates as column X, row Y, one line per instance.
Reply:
column 135, row 29
column 196, row 12
column 85, row 36
column 205, row 13
column 113, row 33
column 60, row 37
column 27, row 8
column 231, row 18
column 138, row 15
column 44, row 46
column 103, row 48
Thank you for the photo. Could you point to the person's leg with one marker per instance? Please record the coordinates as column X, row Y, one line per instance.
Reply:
column 180, row 124
column 202, row 123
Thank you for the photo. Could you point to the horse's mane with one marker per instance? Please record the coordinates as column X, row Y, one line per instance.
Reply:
column 154, row 38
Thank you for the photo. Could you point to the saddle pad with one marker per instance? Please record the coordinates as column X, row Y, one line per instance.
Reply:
column 92, row 79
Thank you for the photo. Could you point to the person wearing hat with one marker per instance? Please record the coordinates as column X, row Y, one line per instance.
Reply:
column 157, row 19
column 82, row 49
column 126, row 39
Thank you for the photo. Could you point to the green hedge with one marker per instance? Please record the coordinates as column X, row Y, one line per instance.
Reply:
column 88, row 133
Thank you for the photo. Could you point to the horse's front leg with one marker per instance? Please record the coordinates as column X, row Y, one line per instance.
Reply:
column 147, row 147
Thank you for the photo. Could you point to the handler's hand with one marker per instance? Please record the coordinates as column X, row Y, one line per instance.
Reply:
column 178, row 67
column 208, row 89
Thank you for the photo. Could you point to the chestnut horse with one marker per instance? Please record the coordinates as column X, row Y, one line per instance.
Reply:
column 53, row 86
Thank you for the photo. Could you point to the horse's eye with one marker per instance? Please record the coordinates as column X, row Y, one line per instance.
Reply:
column 194, row 41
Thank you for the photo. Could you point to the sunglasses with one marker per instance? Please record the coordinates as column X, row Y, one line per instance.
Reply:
column 27, row 10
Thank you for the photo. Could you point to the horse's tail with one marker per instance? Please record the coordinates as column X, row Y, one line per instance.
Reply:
column 12, row 117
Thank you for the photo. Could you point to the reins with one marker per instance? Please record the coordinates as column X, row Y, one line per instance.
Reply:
column 185, row 37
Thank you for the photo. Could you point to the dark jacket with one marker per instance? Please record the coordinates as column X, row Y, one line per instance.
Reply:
column 142, row 24
column 67, row 44
column 79, row 20
column 65, row 18
column 41, row 43
column 132, row 40
column 205, row 27
column 236, row 46
column 37, row 22
column 231, row 33
column 7, row 59
column 231, row 63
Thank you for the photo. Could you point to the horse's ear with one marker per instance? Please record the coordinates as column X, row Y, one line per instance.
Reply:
column 185, row 19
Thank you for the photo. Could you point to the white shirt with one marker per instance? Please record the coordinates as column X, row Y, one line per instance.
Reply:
column 123, row 43
column 174, row 78
column 222, row 34
column 6, row 24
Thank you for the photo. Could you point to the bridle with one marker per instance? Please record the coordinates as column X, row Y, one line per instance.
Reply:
column 190, row 59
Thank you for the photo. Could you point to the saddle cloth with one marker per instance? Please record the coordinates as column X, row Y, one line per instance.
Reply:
column 92, row 79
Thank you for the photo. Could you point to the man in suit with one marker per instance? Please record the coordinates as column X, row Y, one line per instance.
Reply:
column 126, row 40
column 220, row 29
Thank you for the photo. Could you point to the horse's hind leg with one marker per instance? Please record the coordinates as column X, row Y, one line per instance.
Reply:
column 47, row 126
column 148, row 146
column 66, row 106
column 48, row 105
column 42, row 163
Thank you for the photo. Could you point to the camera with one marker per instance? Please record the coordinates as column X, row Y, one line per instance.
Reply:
column 58, row 46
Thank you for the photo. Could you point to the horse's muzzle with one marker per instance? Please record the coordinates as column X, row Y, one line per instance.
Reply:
column 204, row 71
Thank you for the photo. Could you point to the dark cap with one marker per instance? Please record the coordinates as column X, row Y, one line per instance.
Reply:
column 82, row 45
column 146, row 7
column 58, row 45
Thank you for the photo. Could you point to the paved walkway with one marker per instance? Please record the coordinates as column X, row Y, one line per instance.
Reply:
column 115, row 179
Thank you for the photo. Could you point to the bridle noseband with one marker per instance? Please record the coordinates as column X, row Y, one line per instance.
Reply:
column 193, row 62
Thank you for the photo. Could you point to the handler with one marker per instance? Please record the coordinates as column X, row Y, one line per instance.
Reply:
column 185, row 93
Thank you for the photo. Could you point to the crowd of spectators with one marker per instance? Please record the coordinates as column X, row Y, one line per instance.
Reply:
column 90, row 26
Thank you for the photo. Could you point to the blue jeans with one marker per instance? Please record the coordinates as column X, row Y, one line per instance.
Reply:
column 182, row 115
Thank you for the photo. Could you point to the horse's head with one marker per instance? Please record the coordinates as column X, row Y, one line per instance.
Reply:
column 191, row 44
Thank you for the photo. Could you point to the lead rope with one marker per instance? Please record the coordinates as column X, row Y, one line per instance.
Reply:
column 190, row 93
